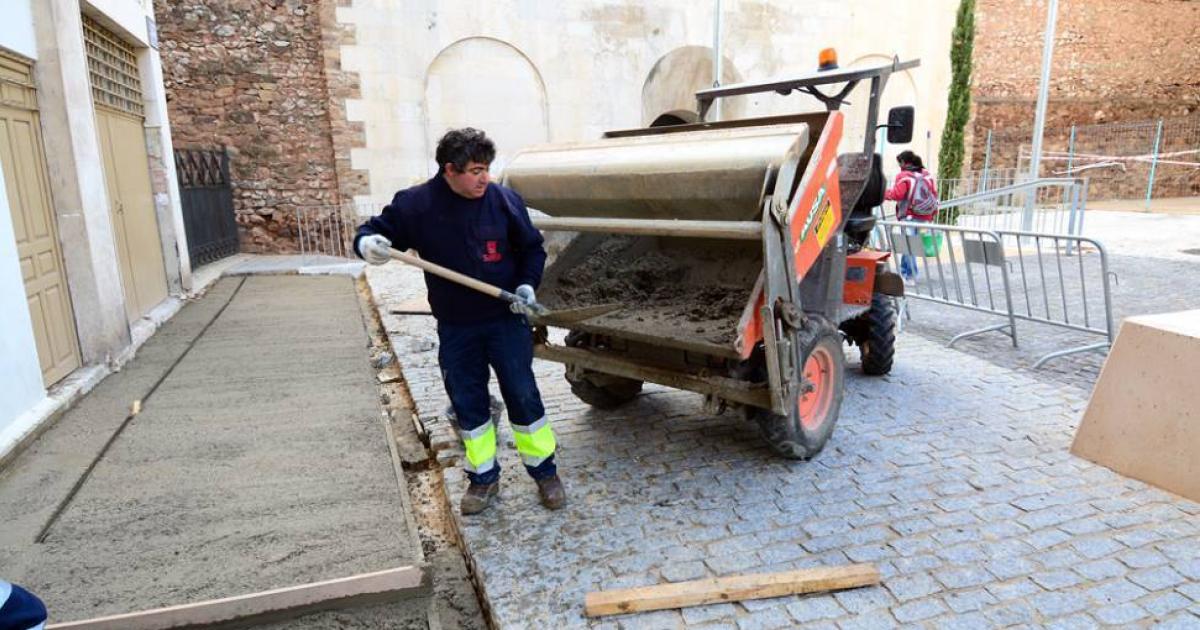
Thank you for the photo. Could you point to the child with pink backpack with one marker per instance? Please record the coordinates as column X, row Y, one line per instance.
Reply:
column 916, row 197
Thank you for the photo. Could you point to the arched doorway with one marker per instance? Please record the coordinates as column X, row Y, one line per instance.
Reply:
column 488, row 84
column 671, row 85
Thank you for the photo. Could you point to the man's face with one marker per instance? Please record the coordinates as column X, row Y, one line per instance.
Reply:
column 470, row 182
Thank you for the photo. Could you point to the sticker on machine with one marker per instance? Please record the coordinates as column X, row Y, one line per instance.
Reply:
column 825, row 224
column 812, row 214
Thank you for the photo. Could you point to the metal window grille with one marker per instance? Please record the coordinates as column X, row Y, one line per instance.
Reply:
column 113, row 69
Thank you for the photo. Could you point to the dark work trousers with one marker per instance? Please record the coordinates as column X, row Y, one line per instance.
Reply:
column 465, row 352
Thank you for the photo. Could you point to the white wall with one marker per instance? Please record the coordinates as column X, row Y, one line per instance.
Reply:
column 594, row 57
column 125, row 16
column 16, row 28
column 21, row 383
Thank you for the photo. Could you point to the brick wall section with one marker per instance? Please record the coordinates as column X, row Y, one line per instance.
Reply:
column 251, row 75
column 1114, row 61
column 342, row 85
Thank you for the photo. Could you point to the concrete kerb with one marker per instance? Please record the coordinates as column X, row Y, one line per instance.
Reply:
column 447, row 451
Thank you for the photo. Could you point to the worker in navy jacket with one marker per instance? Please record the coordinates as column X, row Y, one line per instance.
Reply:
column 458, row 219
column 20, row 609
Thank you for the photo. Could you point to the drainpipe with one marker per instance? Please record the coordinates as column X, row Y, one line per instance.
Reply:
column 715, row 112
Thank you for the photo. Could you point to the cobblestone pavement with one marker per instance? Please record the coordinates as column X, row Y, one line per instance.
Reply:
column 952, row 475
column 1143, row 286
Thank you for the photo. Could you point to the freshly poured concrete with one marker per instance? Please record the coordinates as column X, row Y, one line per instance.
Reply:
column 259, row 462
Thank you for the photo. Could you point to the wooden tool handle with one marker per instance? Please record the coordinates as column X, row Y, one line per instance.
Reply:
column 454, row 276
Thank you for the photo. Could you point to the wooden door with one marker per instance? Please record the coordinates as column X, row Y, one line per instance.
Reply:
column 34, row 224
column 135, row 223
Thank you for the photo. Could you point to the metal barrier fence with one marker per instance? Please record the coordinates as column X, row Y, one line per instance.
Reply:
column 1049, row 205
column 973, row 182
column 1053, row 279
column 329, row 230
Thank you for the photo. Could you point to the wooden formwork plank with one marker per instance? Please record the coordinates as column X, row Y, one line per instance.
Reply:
column 380, row 586
column 729, row 589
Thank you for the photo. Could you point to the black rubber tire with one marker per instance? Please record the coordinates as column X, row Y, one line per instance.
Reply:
column 786, row 435
column 878, row 345
column 602, row 391
column 616, row 391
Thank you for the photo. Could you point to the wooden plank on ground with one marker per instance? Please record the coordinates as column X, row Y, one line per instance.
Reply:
column 729, row 589
column 367, row 588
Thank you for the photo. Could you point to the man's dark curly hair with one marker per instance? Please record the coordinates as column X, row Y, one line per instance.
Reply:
column 460, row 146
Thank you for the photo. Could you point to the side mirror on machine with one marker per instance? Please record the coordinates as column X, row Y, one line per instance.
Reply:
column 900, row 124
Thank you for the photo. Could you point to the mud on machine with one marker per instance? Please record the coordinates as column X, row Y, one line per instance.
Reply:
column 727, row 258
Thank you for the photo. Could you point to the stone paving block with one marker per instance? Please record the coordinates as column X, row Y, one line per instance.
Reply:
column 1189, row 568
column 1010, row 614
column 729, row 565
column 1116, row 592
column 869, row 553
column 1142, row 558
column 1019, row 588
column 871, row 620
column 1157, row 579
column 1191, row 589
column 919, row 610
column 1094, row 547
column 1163, row 604
column 1120, row 614
column 1056, row 580
column 963, row 577
column 912, row 587
column 859, row 600
column 655, row 620
column 1074, row 622
column 963, row 554
column 711, row 612
column 1101, row 569
column 814, row 608
column 765, row 620
column 970, row 601
column 1057, row 559
column 1180, row 621
column 683, row 571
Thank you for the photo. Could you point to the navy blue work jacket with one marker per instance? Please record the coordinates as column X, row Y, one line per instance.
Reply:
column 490, row 239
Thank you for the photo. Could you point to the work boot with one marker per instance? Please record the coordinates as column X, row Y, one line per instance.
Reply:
column 478, row 497
column 552, row 493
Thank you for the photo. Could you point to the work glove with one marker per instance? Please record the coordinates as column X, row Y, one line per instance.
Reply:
column 375, row 249
column 526, row 301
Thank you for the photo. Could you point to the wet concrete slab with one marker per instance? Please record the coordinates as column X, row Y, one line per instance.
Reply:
column 260, row 461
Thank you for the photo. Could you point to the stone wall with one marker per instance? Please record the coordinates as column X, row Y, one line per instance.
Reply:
column 1115, row 61
column 256, row 77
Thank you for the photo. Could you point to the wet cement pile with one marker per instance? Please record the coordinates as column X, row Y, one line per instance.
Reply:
column 676, row 293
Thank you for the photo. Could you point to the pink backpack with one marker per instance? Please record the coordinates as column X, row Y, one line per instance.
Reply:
column 922, row 201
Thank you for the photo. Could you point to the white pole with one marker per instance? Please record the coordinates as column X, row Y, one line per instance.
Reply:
column 1039, row 121
column 715, row 111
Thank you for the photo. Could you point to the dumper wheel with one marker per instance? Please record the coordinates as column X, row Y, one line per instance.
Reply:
column 878, row 343
column 602, row 391
column 802, row 433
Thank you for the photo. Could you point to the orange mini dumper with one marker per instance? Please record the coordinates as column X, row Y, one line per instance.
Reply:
column 726, row 258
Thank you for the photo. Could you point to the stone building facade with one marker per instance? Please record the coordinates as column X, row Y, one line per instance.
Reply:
column 1115, row 61
column 339, row 102
column 261, row 78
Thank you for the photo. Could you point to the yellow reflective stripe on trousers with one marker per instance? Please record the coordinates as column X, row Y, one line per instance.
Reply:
column 535, row 442
column 480, row 445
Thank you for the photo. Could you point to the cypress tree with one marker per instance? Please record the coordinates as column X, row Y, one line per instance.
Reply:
column 950, row 157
